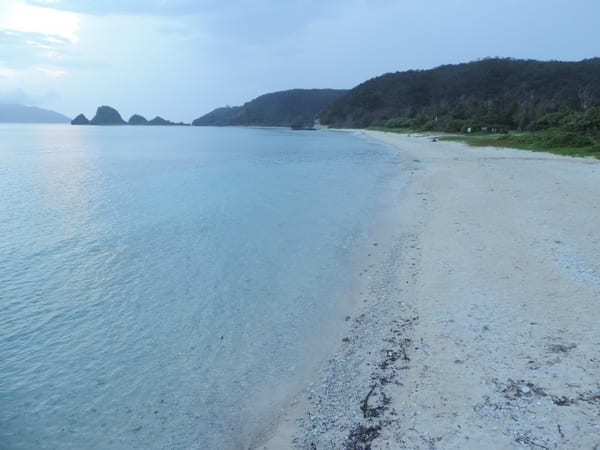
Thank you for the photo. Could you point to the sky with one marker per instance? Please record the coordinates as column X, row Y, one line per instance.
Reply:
column 182, row 58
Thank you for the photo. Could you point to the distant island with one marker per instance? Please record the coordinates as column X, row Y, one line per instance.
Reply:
column 14, row 113
column 80, row 120
column 297, row 108
column 107, row 115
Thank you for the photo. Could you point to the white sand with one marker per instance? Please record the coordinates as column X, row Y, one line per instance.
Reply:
column 487, row 332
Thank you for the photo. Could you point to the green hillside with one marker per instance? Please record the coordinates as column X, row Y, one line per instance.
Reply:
column 505, row 94
column 284, row 108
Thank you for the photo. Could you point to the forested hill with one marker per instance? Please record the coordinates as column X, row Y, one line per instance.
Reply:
column 284, row 108
column 503, row 93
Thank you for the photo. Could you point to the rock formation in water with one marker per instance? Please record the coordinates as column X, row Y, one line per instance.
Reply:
column 160, row 121
column 80, row 120
column 136, row 119
column 105, row 115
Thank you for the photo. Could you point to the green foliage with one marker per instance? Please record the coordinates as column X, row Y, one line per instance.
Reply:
column 505, row 94
column 399, row 122
column 552, row 140
column 556, row 138
column 557, row 103
column 550, row 120
column 588, row 122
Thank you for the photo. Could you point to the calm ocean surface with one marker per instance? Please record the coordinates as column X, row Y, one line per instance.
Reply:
column 159, row 286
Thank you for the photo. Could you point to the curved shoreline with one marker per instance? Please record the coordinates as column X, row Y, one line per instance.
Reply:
column 479, row 329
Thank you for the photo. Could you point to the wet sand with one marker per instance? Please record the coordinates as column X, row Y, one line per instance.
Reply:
column 480, row 305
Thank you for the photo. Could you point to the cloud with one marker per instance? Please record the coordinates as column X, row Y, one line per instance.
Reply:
column 25, row 18
column 51, row 72
column 20, row 97
column 245, row 20
column 7, row 73
column 25, row 49
column 160, row 7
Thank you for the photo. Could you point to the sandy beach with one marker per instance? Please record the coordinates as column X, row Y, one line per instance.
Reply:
column 478, row 325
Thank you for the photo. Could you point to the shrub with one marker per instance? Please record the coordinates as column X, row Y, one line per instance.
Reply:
column 587, row 122
column 550, row 120
column 399, row 122
column 558, row 139
column 455, row 126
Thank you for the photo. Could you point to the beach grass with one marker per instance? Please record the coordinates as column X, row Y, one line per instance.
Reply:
column 551, row 141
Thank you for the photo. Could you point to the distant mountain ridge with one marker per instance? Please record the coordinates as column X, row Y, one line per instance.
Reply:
column 13, row 113
column 297, row 107
column 503, row 92
column 107, row 115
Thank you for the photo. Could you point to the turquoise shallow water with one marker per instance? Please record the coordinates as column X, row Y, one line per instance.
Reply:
column 155, row 283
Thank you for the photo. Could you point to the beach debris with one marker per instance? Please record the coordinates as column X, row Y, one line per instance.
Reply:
column 370, row 412
column 361, row 437
column 353, row 406
column 590, row 398
column 566, row 401
column 561, row 348
column 563, row 401
column 513, row 390
column 524, row 439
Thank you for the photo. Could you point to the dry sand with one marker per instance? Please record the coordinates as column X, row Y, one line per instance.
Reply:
column 480, row 325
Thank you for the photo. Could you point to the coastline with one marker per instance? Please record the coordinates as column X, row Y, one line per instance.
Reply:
column 478, row 325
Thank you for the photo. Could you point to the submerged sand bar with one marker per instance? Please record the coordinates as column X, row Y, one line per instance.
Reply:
column 488, row 332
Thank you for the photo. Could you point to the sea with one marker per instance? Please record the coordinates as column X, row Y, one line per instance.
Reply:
column 172, row 287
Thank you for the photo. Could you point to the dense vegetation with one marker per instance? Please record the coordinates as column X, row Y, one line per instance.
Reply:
column 564, row 132
column 504, row 94
column 552, row 140
column 298, row 107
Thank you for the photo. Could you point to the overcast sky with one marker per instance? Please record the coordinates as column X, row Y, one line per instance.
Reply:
column 182, row 58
